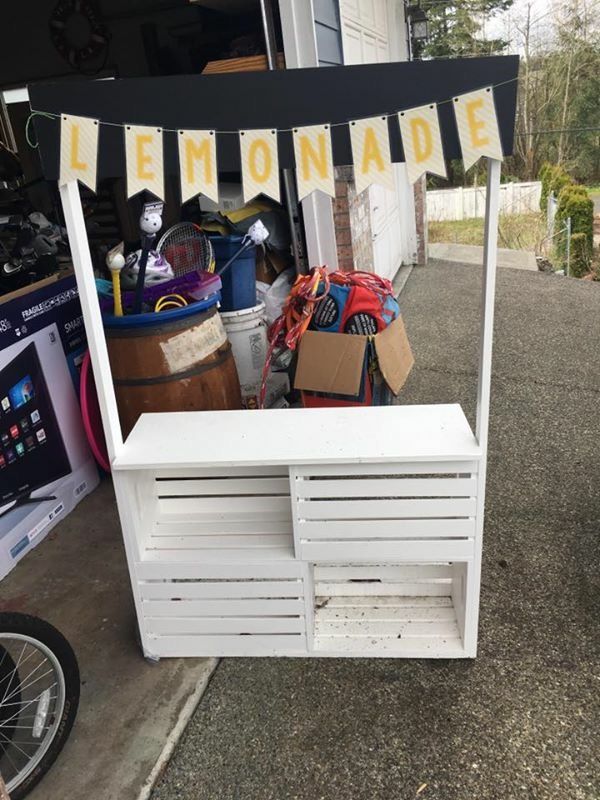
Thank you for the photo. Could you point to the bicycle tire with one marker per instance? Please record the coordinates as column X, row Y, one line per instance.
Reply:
column 48, row 635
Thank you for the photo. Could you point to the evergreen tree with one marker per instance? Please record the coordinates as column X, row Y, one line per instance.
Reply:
column 458, row 28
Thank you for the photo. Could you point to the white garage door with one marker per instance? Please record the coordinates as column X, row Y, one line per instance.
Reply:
column 372, row 32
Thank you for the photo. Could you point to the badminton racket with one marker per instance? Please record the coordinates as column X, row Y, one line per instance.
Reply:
column 186, row 247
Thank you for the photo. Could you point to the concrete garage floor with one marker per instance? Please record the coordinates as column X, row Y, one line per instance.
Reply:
column 77, row 579
column 523, row 719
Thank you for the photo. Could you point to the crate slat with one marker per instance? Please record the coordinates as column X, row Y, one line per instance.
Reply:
column 226, row 607
column 385, row 529
column 451, row 469
column 214, row 645
column 223, row 507
column 375, row 589
column 374, row 550
column 224, row 487
column 409, row 601
column 220, row 625
column 187, row 564
column 382, row 572
column 176, row 473
column 387, row 628
column 389, row 647
column 221, row 589
column 387, row 487
column 222, row 542
column 377, row 509
column 398, row 613
column 174, row 526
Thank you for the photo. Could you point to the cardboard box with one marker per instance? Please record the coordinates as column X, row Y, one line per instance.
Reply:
column 270, row 264
column 335, row 363
column 46, row 466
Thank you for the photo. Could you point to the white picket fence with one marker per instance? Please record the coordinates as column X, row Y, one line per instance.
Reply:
column 465, row 203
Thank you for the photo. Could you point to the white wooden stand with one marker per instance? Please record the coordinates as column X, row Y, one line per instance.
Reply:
column 305, row 532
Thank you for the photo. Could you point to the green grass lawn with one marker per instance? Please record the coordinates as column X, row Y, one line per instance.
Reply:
column 516, row 231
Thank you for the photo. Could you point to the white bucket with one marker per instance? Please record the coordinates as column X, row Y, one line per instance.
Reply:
column 247, row 331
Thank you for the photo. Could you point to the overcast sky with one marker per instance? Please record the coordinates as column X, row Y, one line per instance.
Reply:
column 503, row 25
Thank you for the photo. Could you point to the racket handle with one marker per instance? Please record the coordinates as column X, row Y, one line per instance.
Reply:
column 141, row 278
column 116, row 284
column 244, row 247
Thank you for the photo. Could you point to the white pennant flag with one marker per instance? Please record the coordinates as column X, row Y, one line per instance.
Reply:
column 144, row 157
column 477, row 126
column 260, row 163
column 78, row 150
column 371, row 153
column 198, row 164
column 314, row 160
column 422, row 142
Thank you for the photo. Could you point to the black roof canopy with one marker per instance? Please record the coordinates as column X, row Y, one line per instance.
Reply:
column 279, row 99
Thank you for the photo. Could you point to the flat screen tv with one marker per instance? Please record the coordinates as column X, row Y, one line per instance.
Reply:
column 32, row 451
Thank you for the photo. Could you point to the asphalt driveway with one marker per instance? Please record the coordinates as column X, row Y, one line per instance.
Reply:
column 523, row 719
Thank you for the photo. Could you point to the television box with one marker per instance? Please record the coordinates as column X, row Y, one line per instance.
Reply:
column 336, row 364
column 46, row 467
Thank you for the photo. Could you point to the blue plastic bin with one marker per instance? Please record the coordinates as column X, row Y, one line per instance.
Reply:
column 239, row 281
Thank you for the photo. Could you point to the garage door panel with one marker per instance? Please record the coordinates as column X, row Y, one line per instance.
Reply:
column 366, row 38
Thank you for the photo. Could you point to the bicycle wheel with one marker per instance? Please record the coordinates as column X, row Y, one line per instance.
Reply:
column 39, row 696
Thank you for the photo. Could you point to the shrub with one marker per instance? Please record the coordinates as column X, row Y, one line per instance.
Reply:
column 580, row 256
column 558, row 180
column 553, row 178
column 574, row 202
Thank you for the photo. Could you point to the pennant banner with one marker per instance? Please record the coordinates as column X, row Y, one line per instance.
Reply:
column 477, row 126
column 420, row 131
column 371, row 153
column 260, row 163
column 78, row 150
column 198, row 164
column 422, row 142
column 314, row 160
column 144, row 156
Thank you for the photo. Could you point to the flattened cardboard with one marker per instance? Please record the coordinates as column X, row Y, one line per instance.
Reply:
column 394, row 355
column 334, row 362
column 330, row 362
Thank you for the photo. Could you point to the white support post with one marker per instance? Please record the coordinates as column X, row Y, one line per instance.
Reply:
column 300, row 49
column 490, row 253
column 490, row 257
column 88, row 296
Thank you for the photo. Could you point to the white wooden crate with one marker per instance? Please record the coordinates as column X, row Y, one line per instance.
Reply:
column 383, row 512
column 224, row 609
column 409, row 610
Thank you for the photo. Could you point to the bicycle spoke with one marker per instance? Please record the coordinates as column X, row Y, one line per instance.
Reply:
column 21, row 687
column 6, row 753
column 11, row 742
column 25, row 702
column 35, row 700
column 13, row 672
column 21, row 660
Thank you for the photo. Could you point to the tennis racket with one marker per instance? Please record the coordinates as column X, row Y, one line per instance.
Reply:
column 186, row 247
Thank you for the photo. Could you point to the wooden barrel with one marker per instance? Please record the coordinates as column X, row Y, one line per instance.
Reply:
column 178, row 364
